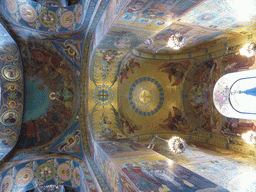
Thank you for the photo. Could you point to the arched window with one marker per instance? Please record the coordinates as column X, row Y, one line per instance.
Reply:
column 234, row 95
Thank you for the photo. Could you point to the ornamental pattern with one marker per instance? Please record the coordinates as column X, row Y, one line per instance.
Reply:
column 36, row 16
column 139, row 100
column 59, row 171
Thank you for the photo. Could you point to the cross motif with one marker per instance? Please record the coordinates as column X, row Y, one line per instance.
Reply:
column 145, row 96
column 103, row 95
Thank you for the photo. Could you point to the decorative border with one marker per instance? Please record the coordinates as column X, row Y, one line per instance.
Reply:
column 36, row 16
column 58, row 171
column 12, row 93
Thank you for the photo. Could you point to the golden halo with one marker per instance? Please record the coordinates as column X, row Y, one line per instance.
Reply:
column 12, row 103
column 12, row 87
column 52, row 95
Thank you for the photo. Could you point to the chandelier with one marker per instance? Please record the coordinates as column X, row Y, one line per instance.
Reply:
column 176, row 41
column 248, row 50
column 250, row 137
column 176, row 144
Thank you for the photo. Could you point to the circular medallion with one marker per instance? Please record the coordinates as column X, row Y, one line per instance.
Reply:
column 144, row 21
column 146, row 96
column 207, row 169
column 128, row 17
column 10, row 118
column 241, row 24
column 67, row 19
column 79, row 14
column 225, row 166
column 76, row 175
column 12, row 6
column 45, row 172
column 64, row 172
column 11, row 72
column 161, row 161
column 160, row 23
column 225, row 21
column 145, row 163
column 7, row 183
column 28, row 13
column 206, row 17
column 103, row 95
column 24, row 177
column 48, row 18
column 243, row 163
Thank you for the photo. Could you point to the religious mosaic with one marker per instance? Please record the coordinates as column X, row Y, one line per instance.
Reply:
column 46, row 18
column 12, row 94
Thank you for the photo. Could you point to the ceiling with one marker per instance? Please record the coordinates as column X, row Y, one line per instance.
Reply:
column 64, row 50
column 90, row 75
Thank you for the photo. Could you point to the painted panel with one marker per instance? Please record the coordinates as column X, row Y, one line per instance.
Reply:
column 40, row 17
column 51, row 89
column 57, row 171
column 12, row 93
column 198, row 94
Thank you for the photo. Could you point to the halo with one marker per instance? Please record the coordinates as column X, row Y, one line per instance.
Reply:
column 12, row 103
column 52, row 95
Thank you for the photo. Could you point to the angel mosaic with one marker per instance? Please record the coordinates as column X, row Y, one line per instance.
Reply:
column 176, row 70
column 127, row 69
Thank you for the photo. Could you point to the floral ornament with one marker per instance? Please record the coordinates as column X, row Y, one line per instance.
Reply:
column 108, row 132
column 48, row 18
column 28, row 13
column 72, row 164
column 35, row 182
column 55, row 163
column 35, row 165
column 18, row 17
column 24, row 177
column 7, row 183
column 39, row 8
column 107, row 58
column 79, row 14
column 12, row 6
column 14, row 172
column 59, row 11
column 45, row 172
column 67, row 19
column 56, row 179
column 64, row 172
column 103, row 95
column 76, row 176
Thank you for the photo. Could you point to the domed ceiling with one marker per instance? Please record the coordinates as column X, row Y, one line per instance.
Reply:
column 90, row 75
column 149, row 95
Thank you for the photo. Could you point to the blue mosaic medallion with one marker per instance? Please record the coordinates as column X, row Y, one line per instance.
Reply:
column 146, row 96
column 103, row 95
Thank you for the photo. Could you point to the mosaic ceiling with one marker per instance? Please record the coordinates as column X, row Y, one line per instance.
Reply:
column 119, row 26
column 83, row 82
column 210, row 20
